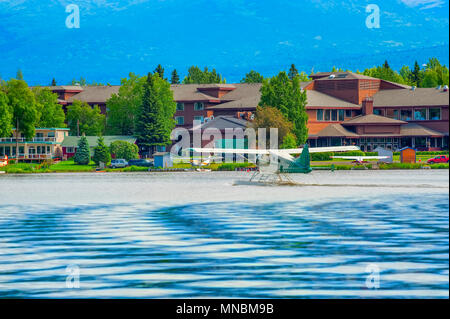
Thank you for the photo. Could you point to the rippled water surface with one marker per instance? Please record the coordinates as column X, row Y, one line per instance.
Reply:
column 198, row 235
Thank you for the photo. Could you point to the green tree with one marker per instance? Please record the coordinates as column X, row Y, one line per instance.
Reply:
column 407, row 75
column 23, row 104
column 416, row 76
column 101, row 152
column 50, row 112
column 19, row 75
column 6, row 116
column 83, row 153
column 53, row 82
column 252, row 77
column 160, row 70
column 430, row 79
column 290, row 99
column 123, row 107
column 175, row 77
column 155, row 121
column 384, row 73
column 125, row 150
column 270, row 117
column 87, row 119
column 289, row 141
column 293, row 72
column 196, row 75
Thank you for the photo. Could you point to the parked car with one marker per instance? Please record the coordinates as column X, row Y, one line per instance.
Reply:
column 118, row 163
column 438, row 159
column 140, row 162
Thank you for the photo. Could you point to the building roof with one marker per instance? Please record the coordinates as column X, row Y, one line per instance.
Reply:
column 417, row 97
column 324, row 76
column 372, row 119
column 222, row 122
column 72, row 141
column 95, row 94
column 414, row 129
column 319, row 99
column 249, row 103
column 335, row 130
column 61, row 87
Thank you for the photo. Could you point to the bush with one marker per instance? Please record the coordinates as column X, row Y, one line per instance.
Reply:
column 233, row 166
column 325, row 156
column 125, row 150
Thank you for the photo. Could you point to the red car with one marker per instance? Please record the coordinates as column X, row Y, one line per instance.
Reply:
column 438, row 159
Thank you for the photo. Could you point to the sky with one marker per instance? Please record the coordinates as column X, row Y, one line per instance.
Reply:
column 234, row 36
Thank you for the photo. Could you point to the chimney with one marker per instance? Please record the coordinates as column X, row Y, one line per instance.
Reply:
column 367, row 106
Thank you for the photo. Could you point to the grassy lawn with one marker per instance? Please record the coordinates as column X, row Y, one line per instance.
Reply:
column 70, row 166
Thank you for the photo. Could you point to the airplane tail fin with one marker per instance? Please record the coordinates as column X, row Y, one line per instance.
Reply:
column 304, row 160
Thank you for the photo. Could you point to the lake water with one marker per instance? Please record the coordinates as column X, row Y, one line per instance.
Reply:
column 182, row 235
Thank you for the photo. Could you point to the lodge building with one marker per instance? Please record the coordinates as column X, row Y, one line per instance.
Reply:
column 344, row 108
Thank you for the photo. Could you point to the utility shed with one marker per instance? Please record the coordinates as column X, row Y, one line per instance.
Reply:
column 162, row 159
column 407, row 155
column 384, row 152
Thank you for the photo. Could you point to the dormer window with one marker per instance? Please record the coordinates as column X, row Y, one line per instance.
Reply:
column 198, row 106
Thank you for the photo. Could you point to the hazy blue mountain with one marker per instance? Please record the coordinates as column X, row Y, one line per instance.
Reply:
column 234, row 36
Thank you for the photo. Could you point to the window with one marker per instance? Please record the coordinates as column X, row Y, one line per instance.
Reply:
column 319, row 115
column 334, row 115
column 51, row 134
column 327, row 115
column 420, row 114
column 341, row 115
column 48, row 149
column 396, row 114
column 198, row 106
column 180, row 106
column 198, row 118
column 70, row 150
column 434, row 114
column 406, row 115
column 378, row 112
column 179, row 120
column 348, row 113
column 21, row 150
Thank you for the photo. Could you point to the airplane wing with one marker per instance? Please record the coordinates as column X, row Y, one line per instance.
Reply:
column 360, row 158
column 323, row 149
column 230, row 150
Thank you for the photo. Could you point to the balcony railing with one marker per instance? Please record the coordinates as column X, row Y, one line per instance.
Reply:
column 24, row 140
column 31, row 156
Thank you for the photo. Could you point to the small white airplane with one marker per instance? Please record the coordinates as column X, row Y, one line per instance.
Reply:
column 360, row 159
column 273, row 162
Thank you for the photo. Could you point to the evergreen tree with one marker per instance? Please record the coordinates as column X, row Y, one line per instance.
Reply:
column 175, row 78
column 155, row 120
column 19, row 75
column 53, row 82
column 101, row 152
column 386, row 65
column 196, row 75
column 83, row 153
column 293, row 72
column 160, row 70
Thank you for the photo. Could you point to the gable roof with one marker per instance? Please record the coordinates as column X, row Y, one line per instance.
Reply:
column 222, row 122
column 319, row 99
column 417, row 97
column 335, row 130
column 414, row 129
column 372, row 119
column 323, row 76
column 95, row 94
column 72, row 141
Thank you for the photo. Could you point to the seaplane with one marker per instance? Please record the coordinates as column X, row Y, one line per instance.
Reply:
column 275, row 164
column 199, row 164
